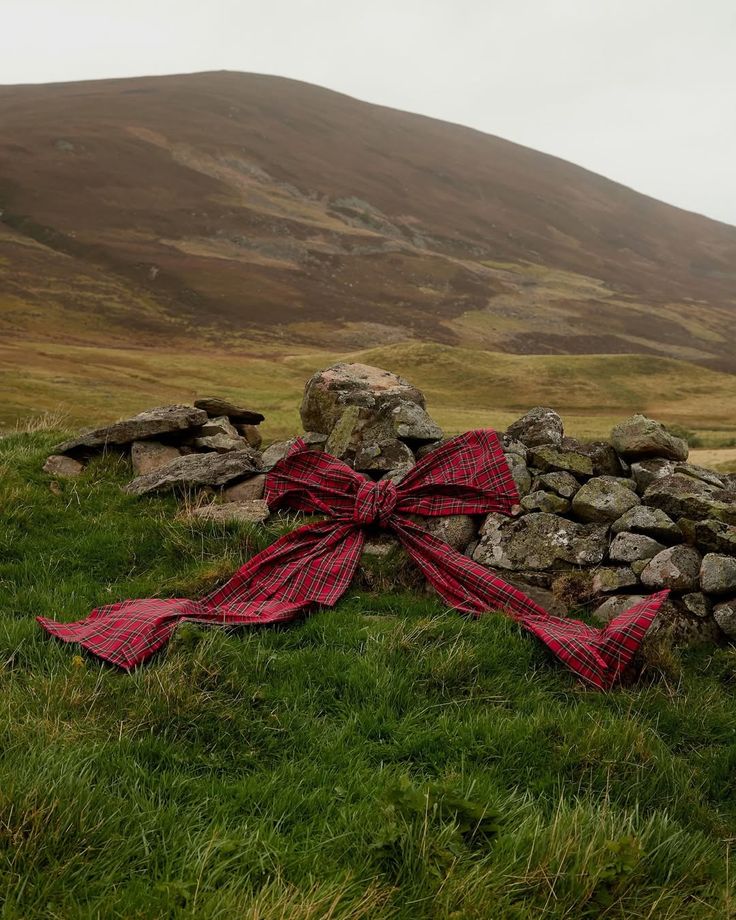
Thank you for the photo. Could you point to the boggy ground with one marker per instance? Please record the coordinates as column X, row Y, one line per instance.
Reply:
column 387, row 758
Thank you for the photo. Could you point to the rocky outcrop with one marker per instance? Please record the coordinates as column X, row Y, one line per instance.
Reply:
column 152, row 423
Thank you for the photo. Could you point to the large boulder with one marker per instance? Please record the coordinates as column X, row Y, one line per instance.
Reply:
column 538, row 542
column 164, row 420
column 194, row 470
column 640, row 436
column 676, row 567
column 603, row 499
column 539, row 426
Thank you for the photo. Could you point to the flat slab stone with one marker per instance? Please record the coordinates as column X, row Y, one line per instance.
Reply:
column 251, row 512
column 216, row 406
column 209, row 469
column 141, row 427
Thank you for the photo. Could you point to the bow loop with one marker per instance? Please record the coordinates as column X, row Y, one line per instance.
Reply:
column 375, row 502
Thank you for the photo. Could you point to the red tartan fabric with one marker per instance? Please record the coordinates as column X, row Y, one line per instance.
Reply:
column 315, row 564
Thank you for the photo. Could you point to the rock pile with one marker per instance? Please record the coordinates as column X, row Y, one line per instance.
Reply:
column 599, row 524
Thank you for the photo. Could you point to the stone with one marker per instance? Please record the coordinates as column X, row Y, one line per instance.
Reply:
column 613, row 606
column 330, row 391
column 210, row 469
column 603, row 499
column 718, row 574
column 252, row 435
column 607, row 580
column 676, row 567
column 512, row 446
column 638, row 566
column 639, row 437
column 710, row 536
column 246, row 491
column 148, row 456
column 275, row 452
column 679, row 627
column 646, row 471
column 603, row 457
column 725, row 615
column 63, row 467
column 539, row 426
column 563, row 484
column 458, row 530
column 412, row 423
column 633, row 547
column 250, row 512
column 164, row 420
column 651, row 522
column 397, row 474
column 549, row 459
column 539, row 541
column 216, row 406
column 545, row 501
column 522, row 476
column 382, row 455
column 683, row 496
column 698, row 604
column 218, row 434
column 423, row 449
column 701, row 473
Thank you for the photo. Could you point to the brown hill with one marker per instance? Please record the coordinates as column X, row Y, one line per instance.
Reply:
column 279, row 211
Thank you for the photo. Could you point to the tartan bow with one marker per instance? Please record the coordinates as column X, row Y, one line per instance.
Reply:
column 315, row 564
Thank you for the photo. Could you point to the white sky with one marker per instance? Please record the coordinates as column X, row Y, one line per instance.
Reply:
column 643, row 91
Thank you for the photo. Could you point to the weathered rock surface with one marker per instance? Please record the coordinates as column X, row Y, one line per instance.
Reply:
column 250, row 512
column 640, row 436
column 603, row 457
column 651, row 522
column 148, row 424
column 603, row 499
column 676, row 567
column 709, row 536
column 549, row 459
column 216, row 406
column 252, row 435
column 246, row 491
column 219, row 434
column 718, row 574
column 725, row 615
column 458, row 530
column 539, row 541
column 678, row 626
column 607, row 579
column 63, row 467
column 633, row 547
column 646, row 471
column 613, row 606
column 683, row 496
column 147, row 456
column 539, row 426
column 545, row 501
column 563, row 484
column 522, row 476
column 698, row 604
column 210, row 469
column 382, row 456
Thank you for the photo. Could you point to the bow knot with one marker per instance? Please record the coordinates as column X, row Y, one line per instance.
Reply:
column 375, row 501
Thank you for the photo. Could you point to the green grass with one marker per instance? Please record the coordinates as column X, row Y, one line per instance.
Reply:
column 386, row 759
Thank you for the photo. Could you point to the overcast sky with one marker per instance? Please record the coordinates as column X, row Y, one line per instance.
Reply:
column 642, row 91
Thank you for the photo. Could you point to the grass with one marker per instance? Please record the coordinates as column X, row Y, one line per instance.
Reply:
column 385, row 759
column 465, row 388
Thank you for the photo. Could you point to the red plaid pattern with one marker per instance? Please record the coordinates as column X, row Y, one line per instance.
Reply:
column 315, row 564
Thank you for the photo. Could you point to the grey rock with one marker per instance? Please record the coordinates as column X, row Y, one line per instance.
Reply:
column 382, row 455
column 330, row 391
column 219, row 434
column 412, row 424
column 725, row 615
column 216, row 406
column 633, row 547
column 539, row 541
column 678, row 626
column 145, row 425
column 603, row 499
column 697, row 604
column 563, row 484
column 545, row 501
column 539, row 426
column 457, row 530
column 638, row 566
column 640, row 436
column 701, row 473
column 210, row 469
column 613, row 606
column 652, row 522
column 646, row 471
column 251, row 512
column 683, row 496
column 252, row 435
column 607, row 580
column 246, row 491
column 549, row 459
column 603, row 457
column 710, row 536
column 148, row 456
column 522, row 476
column 718, row 574
column 676, row 567
column 512, row 446
column 63, row 467
column 275, row 452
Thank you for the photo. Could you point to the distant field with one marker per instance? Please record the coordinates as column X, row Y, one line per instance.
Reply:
column 464, row 387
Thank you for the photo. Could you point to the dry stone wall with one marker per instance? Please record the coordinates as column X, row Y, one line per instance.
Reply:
column 598, row 525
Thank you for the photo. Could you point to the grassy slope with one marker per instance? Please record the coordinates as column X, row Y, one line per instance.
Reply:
column 272, row 774
column 464, row 387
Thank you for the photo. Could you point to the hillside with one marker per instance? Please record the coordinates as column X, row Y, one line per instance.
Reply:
column 235, row 208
